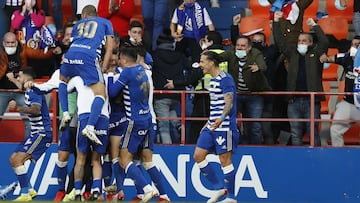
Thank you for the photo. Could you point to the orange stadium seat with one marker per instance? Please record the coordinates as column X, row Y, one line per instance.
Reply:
column 335, row 10
column 310, row 12
column 330, row 71
column 260, row 8
column 341, row 86
column 335, row 26
column 252, row 23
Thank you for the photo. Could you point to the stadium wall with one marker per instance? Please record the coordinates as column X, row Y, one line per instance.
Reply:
column 264, row 174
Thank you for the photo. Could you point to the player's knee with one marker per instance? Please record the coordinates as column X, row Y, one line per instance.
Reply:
column 148, row 165
column 61, row 164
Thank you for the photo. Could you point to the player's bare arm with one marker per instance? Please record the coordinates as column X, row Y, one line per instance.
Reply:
column 228, row 98
column 33, row 109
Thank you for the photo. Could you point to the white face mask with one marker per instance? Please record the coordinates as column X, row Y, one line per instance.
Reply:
column 353, row 51
column 204, row 46
column 302, row 48
column 240, row 53
column 30, row 3
column 10, row 50
column 132, row 40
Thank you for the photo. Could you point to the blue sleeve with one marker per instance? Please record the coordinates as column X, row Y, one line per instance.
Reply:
column 148, row 59
column 35, row 98
column 109, row 29
column 115, row 87
column 228, row 85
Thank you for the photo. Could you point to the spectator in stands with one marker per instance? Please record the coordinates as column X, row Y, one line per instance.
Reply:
column 38, row 141
column 27, row 22
column 156, row 16
column 12, row 61
column 356, row 18
column 64, row 45
column 247, row 66
column 9, row 7
column 119, row 12
column 291, row 25
column 188, row 28
column 304, row 74
column 345, row 109
column 135, row 39
column 58, row 15
column 271, row 55
column 168, row 65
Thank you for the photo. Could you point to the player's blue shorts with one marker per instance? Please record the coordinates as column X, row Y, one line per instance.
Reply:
column 35, row 144
column 136, row 136
column 218, row 142
column 118, row 128
column 65, row 141
column 152, row 136
column 80, row 64
column 84, row 144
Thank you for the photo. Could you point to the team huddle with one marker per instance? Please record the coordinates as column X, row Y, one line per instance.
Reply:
column 115, row 116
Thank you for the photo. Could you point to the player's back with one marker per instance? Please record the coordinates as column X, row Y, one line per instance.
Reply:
column 41, row 121
column 136, row 92
column 89, row 34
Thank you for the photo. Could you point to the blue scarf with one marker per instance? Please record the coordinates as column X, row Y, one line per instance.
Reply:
column 196, row 14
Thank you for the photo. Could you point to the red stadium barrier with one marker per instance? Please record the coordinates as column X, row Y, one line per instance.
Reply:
column 54, row 110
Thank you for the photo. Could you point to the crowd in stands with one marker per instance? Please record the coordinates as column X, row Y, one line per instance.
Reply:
column 41, row 45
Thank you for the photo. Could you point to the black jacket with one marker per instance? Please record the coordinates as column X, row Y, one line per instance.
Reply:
column 168, row 65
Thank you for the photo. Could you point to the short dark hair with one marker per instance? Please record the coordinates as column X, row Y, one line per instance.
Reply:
column 135, row 23
column 215, row 37
column 262, row 34
column 244, row 37
column 129, row 52
column 357, row 37
column 28, row 70
column 212, row 56
column 89, row 10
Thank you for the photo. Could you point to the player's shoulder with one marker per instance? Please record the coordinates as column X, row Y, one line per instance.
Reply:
column 34, row 94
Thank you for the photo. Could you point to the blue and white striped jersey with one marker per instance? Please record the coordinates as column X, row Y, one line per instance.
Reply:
column 220, row 85
column 134, row 83
column 38, row 122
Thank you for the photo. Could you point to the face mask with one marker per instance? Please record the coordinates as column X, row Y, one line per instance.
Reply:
column 204, row 46
column 189, row 5
column 353, row 51
column 30, row 3
column 302, row 48
column 132, row 40
column 10, row 50
column 258, row 45
column 240, row 53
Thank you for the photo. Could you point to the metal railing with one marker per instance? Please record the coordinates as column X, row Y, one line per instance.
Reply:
column 54, row 110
